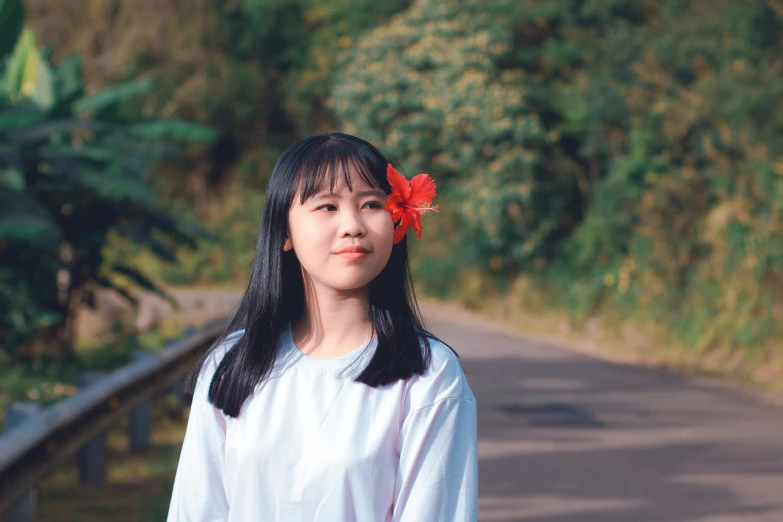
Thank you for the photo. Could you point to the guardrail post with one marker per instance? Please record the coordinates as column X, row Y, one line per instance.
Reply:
column 25, row 509
column 140, row 416
column 92, row 457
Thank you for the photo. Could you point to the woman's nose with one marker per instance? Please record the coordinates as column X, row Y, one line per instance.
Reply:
column 352, row 224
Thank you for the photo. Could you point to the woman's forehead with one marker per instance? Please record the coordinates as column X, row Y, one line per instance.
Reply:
column 337, row 180
column 357, row 182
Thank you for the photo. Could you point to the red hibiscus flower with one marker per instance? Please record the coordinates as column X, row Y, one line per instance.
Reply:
column 408, row 201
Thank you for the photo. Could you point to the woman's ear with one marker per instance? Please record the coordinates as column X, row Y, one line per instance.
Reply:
column 287, row 245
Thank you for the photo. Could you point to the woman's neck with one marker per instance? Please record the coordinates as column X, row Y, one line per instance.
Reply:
column 332, row 323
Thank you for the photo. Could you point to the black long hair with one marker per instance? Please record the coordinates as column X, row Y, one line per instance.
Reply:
column 275, row 292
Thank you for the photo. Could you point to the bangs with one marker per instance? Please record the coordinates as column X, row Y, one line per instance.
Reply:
column 319, row 169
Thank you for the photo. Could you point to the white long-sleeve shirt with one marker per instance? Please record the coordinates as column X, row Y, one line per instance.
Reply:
column 311, row 445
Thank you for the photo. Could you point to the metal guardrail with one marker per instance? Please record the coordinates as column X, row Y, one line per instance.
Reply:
column 44, row 441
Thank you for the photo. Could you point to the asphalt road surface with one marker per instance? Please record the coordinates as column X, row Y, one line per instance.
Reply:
column 567, row 438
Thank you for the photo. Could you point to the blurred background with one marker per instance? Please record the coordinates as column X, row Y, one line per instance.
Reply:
column 607, row 170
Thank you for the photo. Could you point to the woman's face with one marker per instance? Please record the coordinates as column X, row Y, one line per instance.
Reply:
column 328, row 222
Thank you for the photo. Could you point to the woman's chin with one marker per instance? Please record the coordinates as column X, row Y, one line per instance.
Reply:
column 349, row 284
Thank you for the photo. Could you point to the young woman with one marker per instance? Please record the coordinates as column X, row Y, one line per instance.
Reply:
column 327, row 400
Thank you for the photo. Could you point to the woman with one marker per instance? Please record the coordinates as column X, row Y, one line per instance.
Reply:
column 327, row 400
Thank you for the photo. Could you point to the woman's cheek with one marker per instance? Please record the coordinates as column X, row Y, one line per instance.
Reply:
column 318, row 223
column 383, row 222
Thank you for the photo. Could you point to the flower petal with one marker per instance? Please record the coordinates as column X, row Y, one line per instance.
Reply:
column 407, row 220
column 422, row 190
column 394, row 205
column 417, row 224
column 399, row 185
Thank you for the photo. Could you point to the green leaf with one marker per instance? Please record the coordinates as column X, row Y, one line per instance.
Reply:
column 45, row 319
column 42, row 131
column 16, row 75
column 8, row 155
column 28, row 74
column 91, row 152
column 124, row 292
column 196, row 229
column 17, row 117
column 143, row 281
column 111, row 185
column 183, row 230
column 41, row 88
column 111, row 95
column 68, row 76
column 16, row 227
column 13, row 179
column 93, row 157
column 11, row 22
column 172, row 129
column 160, row 249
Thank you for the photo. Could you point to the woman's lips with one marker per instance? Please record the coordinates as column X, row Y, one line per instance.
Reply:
column 352, row 256
column 353, row 252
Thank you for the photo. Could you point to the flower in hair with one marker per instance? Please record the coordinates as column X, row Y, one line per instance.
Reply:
column 408, row 201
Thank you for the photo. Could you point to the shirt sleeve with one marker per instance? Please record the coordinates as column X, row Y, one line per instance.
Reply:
column 199, row 493
column 437, row 477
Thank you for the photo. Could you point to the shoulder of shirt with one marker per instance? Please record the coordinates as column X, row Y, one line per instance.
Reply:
column 211, row 363
column 443, row 379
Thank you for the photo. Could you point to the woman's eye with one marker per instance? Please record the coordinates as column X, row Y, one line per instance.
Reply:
column 330, row 207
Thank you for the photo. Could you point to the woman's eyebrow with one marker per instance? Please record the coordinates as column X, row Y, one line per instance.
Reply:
column 362, row 194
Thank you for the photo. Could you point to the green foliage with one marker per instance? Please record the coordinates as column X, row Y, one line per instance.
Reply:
column 327, row 28
column 224, row 261
column 436, row 90
column 11, row 22
column 66, row 181
column 625, row 156
column 48, row 383
column 258, row 72
column 681, row 226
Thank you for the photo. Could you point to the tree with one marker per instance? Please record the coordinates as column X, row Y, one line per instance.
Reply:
column 623, row 155
column 439, row 90
column 72, row 169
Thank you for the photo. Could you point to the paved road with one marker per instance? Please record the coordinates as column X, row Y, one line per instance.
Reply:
column 565, row 438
